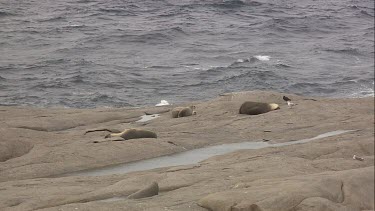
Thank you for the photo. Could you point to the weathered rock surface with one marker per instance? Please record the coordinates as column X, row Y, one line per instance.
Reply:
column 151, row 190
column 37, row 146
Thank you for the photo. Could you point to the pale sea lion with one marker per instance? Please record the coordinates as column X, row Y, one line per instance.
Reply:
column 183, row 111
column 148, row 191
column 255, row 108
column 133, row 134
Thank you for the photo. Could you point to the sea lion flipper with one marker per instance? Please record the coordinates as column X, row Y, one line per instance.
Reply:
column 90, row 131
column 104, row 129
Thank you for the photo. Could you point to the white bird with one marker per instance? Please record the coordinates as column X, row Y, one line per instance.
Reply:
column 288, row 101
column 290, row 104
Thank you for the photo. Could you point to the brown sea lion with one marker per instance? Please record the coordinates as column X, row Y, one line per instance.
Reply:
column 133, row 133
column 183, row 111
column 186, row 112
column 255, row 108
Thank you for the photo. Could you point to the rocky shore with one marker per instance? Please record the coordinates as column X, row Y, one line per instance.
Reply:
column 40, row 147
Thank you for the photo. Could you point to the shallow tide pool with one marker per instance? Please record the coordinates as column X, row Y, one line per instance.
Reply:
column 193, row 156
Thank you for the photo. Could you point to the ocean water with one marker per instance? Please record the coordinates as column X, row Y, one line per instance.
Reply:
column 94, row 53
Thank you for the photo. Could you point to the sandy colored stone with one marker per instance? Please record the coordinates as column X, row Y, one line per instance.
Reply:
column 38, row 146
column 289, row 194
column 148, row 191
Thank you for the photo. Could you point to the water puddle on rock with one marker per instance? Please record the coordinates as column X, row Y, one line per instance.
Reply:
column 112, row 199
column 302, row 141
column 193, row 156
column 146, row 118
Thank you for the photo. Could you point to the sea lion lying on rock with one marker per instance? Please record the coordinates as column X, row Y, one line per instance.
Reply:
column 183, row 111
column 133, row 133
column 255, row 108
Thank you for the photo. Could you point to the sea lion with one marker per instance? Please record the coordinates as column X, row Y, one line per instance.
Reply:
column 186, row 112
column 133, row 133
column 255, row 108
column 183, row 111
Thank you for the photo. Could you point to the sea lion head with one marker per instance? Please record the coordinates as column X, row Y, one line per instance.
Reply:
column 194, row 113
column 274, row 106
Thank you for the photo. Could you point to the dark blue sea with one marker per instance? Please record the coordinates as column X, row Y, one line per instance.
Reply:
column 114, row 53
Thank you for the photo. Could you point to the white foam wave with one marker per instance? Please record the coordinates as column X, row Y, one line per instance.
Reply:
column 364, row 91
column 262, row 58
column 205, row 68
column 242, row 60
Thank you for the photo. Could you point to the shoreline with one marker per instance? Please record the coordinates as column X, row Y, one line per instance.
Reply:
column 153, row 105
column 38, row 144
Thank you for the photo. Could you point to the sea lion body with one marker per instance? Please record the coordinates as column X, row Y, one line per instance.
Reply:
column 175, row 112
column 255, row 108
column 186, row 112
column 133, row 134
column 183, row 111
